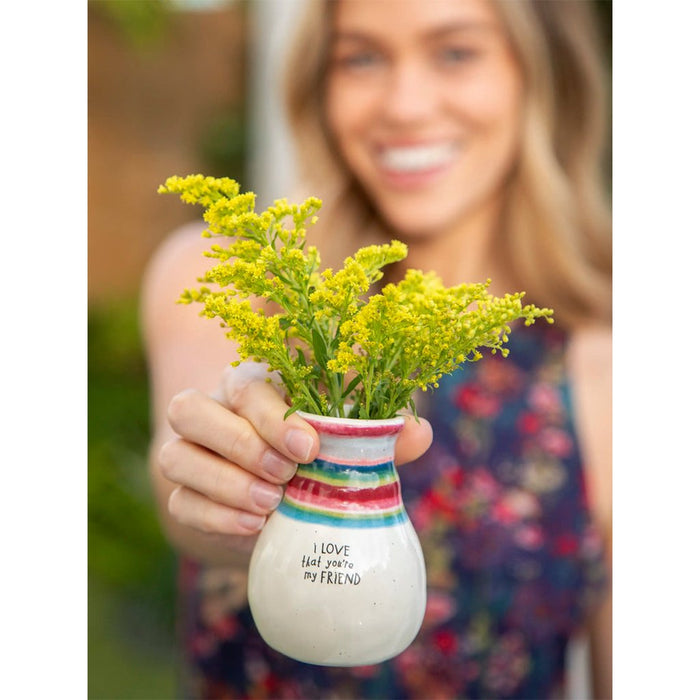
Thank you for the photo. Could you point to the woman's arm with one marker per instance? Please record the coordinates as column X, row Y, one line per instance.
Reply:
column 590, row 361
column 187, row 352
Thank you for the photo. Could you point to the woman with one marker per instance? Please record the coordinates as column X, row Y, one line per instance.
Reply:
column 474, row 131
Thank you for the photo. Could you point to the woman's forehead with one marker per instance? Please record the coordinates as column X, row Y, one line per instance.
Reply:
column 417, row 17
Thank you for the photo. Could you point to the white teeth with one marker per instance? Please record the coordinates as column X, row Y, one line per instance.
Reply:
column 416, row 158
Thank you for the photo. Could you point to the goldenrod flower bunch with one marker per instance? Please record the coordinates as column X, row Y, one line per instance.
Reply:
column 338, row 350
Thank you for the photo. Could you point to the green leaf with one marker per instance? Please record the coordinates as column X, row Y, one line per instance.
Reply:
column 351, row 386
column 319, row 345
column 316, row 396
column 293, row 409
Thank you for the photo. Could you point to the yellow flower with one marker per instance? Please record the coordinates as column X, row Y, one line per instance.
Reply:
column 330, row 343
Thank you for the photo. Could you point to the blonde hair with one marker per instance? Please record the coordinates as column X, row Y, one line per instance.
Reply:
column 555, row 237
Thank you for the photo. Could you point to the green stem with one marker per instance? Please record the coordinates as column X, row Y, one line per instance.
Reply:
column 368, row 386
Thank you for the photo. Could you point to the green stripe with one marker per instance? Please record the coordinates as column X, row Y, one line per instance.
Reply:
column 340, row 475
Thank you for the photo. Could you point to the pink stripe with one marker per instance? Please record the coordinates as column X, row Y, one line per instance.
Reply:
column 350, row 461
column 355, row 427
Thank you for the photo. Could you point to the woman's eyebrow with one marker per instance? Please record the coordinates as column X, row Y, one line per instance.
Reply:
column 467, row 26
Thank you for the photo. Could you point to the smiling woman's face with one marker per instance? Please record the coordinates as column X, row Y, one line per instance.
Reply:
column 423, row 100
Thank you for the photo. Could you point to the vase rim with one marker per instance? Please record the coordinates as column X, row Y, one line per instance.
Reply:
column 354, row 426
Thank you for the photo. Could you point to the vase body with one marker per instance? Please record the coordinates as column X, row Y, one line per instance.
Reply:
column 337, row 576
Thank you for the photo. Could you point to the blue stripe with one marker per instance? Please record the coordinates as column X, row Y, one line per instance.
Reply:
column 342, row 519
column 321, row 466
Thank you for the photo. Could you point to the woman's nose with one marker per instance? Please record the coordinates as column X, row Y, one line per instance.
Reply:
column 411, row 96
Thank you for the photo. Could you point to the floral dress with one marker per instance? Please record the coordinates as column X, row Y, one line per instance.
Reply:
column 513, row 561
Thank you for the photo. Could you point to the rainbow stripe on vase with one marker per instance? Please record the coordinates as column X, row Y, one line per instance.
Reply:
column 353, row 483
column 363, row 495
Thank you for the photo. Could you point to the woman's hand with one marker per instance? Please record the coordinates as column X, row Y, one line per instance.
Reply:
column 233, row 454
column 235, row 451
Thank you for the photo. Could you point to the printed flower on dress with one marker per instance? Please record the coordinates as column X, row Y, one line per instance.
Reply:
column 440, row 607
column 545, row 400
column 507, row 664
column 542, row 474
column 555, row 441
column 476, row 401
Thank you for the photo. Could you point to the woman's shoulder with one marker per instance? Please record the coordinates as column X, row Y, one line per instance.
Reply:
column 180, row 252
column 590, row 363
column 176, row 334
column 589, row 360
column 590, row 349
column 175, row 265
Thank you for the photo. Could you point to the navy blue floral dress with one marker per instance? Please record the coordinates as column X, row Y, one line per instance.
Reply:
column 514, row 563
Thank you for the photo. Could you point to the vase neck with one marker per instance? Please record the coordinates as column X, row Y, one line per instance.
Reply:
column 359, row 451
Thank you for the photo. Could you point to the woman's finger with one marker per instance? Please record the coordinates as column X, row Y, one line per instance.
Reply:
column 413, row 440
column 213, row 476
column 191, row 508
column 202, row 420
column 250, row 396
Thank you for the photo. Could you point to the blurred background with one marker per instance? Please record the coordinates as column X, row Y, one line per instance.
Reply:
column 174, row 87
column 167, row 94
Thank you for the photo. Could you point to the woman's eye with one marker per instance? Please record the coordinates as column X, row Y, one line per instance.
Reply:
column 359, row 60
column 456, row 55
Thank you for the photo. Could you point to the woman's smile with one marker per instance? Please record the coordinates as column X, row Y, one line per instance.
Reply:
column 417, row 164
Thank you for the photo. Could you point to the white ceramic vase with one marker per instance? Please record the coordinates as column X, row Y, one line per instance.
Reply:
column 337, row 577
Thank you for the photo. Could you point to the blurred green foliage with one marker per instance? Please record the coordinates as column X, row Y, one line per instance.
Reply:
column 121, row 665
column 222, row 145
column 142, row 22
column 131, row 567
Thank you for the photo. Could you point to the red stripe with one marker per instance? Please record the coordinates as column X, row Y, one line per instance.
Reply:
column 303, row 489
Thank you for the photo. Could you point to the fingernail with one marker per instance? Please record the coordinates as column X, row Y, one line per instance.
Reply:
column 265, row 495
column 277, row 466
column 251, row 522
column 300, row 444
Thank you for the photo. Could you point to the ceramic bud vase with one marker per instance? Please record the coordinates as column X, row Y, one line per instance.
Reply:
column 337, row 577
